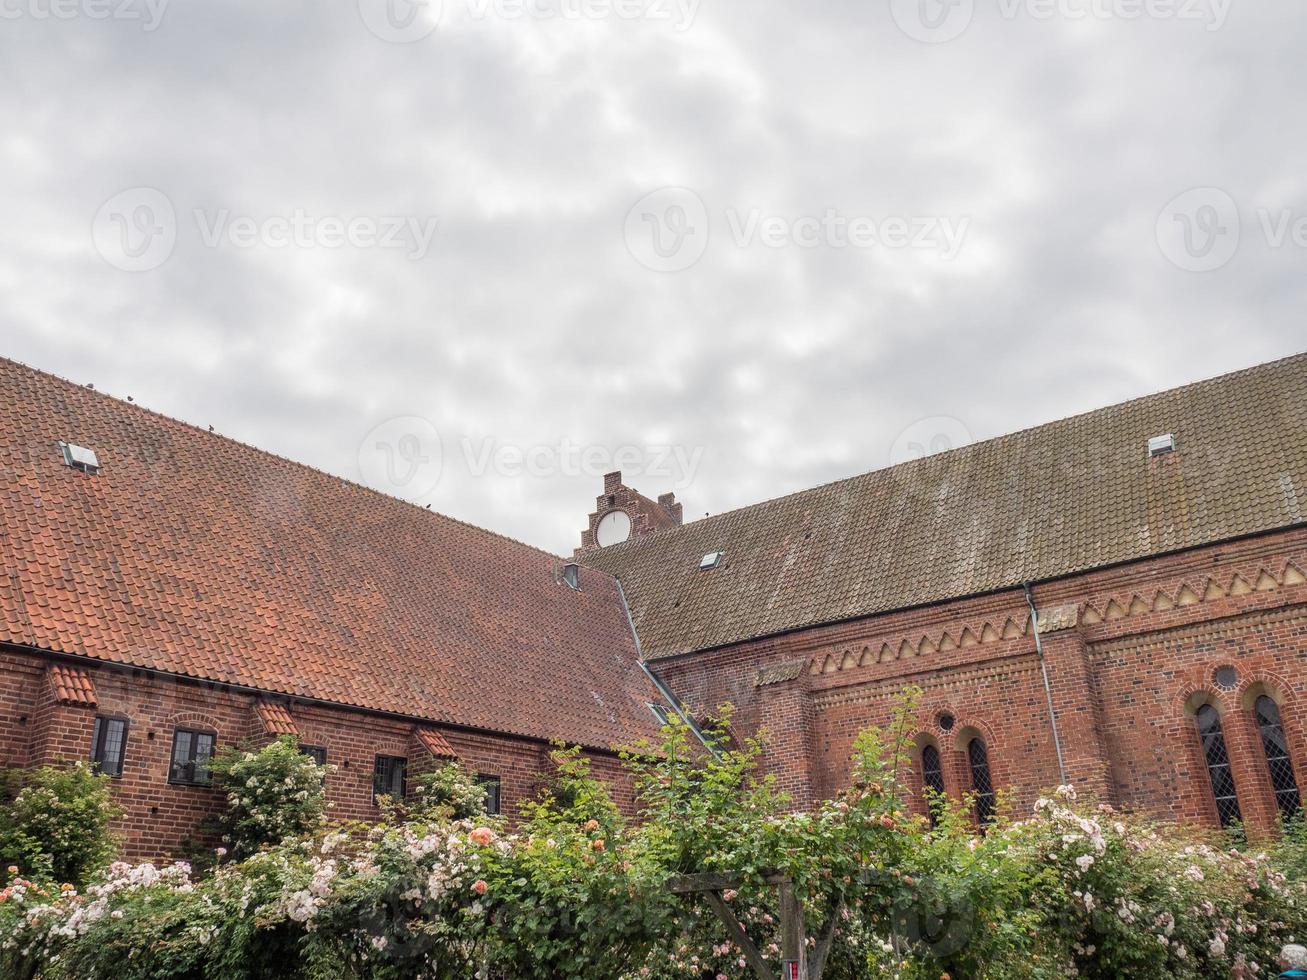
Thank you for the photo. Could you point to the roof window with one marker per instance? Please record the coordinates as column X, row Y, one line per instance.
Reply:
column 711, row 560
column 80, row 458
column 1161, row 445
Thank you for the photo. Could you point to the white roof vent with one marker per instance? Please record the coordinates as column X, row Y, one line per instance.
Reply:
column 711, row 560
column 80, row 458
column 1161, row 445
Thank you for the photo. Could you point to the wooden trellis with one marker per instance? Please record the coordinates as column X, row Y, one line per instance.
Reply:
column 798, row 962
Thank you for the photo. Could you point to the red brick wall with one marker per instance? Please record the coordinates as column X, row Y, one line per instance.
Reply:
column 1124, row 675
column 1127, row 666
column 22, row 684
column 646, row 515
column 162, row 818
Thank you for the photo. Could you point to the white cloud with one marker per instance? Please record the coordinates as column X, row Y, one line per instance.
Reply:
column 530, row 323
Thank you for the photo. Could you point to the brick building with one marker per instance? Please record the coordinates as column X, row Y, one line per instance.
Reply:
column 1163, row 548
column 182, row 592
column 1115, row 600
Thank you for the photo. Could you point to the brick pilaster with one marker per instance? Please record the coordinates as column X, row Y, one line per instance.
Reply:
column 1079, row 713
column 786, row 712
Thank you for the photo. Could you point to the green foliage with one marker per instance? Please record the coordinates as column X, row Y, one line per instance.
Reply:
column 448, row 793
column 578, row 890
column 576, row 899
column 55, row 826
column 1291, row 851
column 273, row 795
column 1085, row 890
column 573, row 796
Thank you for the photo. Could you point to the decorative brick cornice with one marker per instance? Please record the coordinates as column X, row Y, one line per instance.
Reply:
column 963, row 678
column 1207, row 629
column 920, row 644
column 1268, row 577
column 1191, row 592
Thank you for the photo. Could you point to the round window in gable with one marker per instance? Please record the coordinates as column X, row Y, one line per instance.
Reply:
column 1227, row 677
column 946, row 722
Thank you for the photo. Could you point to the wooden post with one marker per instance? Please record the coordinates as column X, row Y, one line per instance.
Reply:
column 797, row 963
column 794, row 946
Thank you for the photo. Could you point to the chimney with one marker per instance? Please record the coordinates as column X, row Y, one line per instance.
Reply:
column 667, row 501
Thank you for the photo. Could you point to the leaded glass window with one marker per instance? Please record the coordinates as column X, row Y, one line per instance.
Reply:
column 191, row 752
column 932, row 778
column 1276, row 747
column 108, row 741
column 981, row 782
column 1218, row 765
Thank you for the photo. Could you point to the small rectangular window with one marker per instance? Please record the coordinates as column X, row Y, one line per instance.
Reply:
column 108, row 742
column 191, row 752
column 388, row 776
column 317, row 753
column 493, row 788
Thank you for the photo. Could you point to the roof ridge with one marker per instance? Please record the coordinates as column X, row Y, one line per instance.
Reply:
column 635, row 543
column 284, row 460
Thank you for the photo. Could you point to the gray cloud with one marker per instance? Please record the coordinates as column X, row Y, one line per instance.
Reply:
column 529, row 322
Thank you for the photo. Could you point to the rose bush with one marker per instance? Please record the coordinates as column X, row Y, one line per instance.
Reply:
column 1082, row 890
column 55, row 823
column 575, row 889
column 273, row 794
column 448, row 792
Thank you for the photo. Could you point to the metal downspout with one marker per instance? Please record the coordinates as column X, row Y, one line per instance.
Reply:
column 658, row 682
column 1048, row 688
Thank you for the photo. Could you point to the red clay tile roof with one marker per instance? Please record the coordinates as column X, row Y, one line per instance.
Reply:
column 72, row 685
column 1050, row 501
column 276, row 718
column 435, row 743
column 194, row 554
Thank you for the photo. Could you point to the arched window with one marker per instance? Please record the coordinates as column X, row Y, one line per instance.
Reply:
column 1218, row 765
column 1276, row 747
column 932, row 778
column 981, row 784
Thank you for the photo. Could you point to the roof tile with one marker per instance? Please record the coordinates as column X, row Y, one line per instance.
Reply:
column 1050, row 501
column 276, row 718
column 72, row 685
column 195, row 554
column 435, row 743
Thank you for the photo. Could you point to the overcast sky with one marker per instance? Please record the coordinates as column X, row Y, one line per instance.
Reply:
column 789, row 242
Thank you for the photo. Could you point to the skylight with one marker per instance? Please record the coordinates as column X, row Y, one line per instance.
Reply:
column 80, row 458
column 711, row 560
column 1161, row 445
